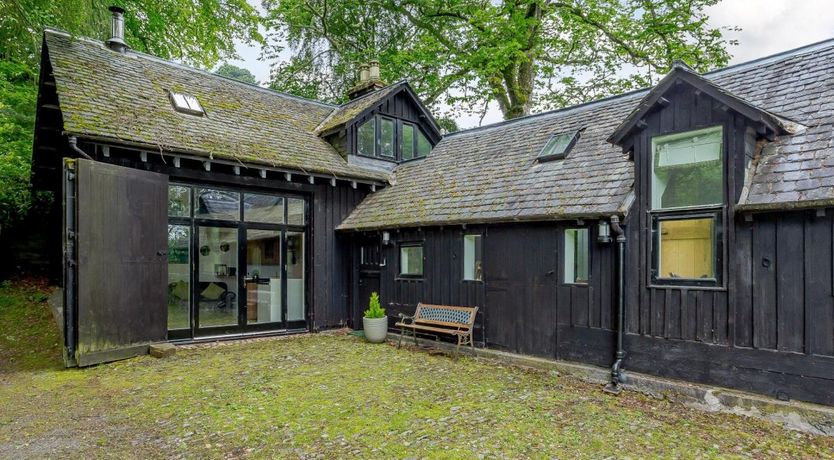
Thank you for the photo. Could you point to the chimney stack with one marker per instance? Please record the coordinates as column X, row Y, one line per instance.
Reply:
column 373, row 72
column 116, row 42
column 369, row 80
column 364, row 74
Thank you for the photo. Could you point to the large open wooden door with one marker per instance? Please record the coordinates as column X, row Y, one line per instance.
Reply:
column 119, row 296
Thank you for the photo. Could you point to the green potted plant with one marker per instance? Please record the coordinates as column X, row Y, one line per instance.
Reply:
column 375, row 322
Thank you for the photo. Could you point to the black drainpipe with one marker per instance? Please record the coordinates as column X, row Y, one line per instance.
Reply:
column 617, row 374
column 73, row 143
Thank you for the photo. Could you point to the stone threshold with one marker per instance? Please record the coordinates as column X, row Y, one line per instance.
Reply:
column 795, row 415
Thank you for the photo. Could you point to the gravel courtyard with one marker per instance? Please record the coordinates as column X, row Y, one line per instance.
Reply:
column 334, row 396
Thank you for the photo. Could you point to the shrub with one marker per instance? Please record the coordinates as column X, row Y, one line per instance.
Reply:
column 374, row 309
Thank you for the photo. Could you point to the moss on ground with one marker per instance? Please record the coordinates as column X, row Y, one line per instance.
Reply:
column 334, row 396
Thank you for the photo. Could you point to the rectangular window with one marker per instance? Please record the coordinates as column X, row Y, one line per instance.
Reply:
column 472, row 258
column 577, row 250
column 407, row 144
column 366, row 138
column 686, row 249
column 216, row 204
column 179, row 276
column 295, row 211
column 263, row 208
column 386, row 137
column 411, row 260
column 687, row 169
column 423, row 145
column 179, row 201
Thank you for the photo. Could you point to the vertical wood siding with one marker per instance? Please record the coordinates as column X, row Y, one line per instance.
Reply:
column 770, row 326
column 331, row 254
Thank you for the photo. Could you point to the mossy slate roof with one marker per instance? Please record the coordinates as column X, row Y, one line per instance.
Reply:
column 124, row 98
column 490, row 174
column 351, row 109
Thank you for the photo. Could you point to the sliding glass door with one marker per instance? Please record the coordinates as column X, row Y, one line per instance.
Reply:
column 237, row 261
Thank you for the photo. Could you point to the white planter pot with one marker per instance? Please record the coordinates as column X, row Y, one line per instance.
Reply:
column 376, row 329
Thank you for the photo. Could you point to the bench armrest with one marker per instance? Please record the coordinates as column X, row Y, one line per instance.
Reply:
column 406, row 318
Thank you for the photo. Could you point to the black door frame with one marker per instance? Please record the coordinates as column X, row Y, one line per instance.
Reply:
column 194, row 223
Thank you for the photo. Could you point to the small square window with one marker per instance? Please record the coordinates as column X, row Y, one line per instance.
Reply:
column 686, row 249
column 179, row 201
column 411, row 260
column 472, row 258
column 186, row 103
column 577, row 251
column 558, row 146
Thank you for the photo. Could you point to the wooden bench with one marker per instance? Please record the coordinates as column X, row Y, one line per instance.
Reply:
column 440, row 319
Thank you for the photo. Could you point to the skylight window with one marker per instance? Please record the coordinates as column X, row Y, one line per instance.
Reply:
column 186, row 103
column 558, row 146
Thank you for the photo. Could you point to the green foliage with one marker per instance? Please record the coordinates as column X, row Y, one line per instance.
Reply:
column 231, row 71
column 308, row 396
column 18, row 92
column 468, row 53
column 199, row 32
column 374, row 309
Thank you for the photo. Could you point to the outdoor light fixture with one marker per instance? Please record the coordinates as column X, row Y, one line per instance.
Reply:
column 604, row 232
column 386, row 238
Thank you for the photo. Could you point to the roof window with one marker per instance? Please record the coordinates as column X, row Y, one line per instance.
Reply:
column 186, row 103
column 558, row 146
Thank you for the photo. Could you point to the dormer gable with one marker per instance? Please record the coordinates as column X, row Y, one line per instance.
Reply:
column 766, row 124
column 387, row 126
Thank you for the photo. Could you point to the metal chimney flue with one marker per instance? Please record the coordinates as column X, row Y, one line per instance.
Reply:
column 116, row 42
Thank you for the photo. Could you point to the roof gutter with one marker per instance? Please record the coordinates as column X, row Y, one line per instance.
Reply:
column 197, row 156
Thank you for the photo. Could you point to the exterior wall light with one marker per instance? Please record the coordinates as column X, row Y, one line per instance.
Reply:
column 604, row 232
column 386, row 238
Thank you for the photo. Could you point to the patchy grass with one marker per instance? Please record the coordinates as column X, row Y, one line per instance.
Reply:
column 332, row 396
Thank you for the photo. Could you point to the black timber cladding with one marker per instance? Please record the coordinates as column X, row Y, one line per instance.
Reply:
column 769, row 325
column 524, row 305
column 122, row 264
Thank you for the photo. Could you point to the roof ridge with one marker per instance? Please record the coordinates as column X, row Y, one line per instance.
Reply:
column 776, row 57
column 158, row 59
column 758, row 62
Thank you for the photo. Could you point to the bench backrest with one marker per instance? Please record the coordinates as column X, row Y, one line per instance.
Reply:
column 445, row 315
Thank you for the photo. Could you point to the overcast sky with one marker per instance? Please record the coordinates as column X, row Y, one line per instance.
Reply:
column 768, row 27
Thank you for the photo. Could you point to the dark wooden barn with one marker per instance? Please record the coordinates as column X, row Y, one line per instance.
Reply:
column 685, row 230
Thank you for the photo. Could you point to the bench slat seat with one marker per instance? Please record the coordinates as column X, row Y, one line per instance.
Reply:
column 441, row 319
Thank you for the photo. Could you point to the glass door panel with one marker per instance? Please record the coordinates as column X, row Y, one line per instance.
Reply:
column 263, row 276
column 179, row 277
column 217, row 277
column 295, row 277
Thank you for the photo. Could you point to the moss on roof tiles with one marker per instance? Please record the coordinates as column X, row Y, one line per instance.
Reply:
column 487, row 174
column 124, row 97
column 354, row 108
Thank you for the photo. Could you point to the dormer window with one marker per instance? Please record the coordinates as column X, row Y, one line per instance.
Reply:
column 558, row 146
column 186, row 103
column 687, row 194
column 391, row 139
